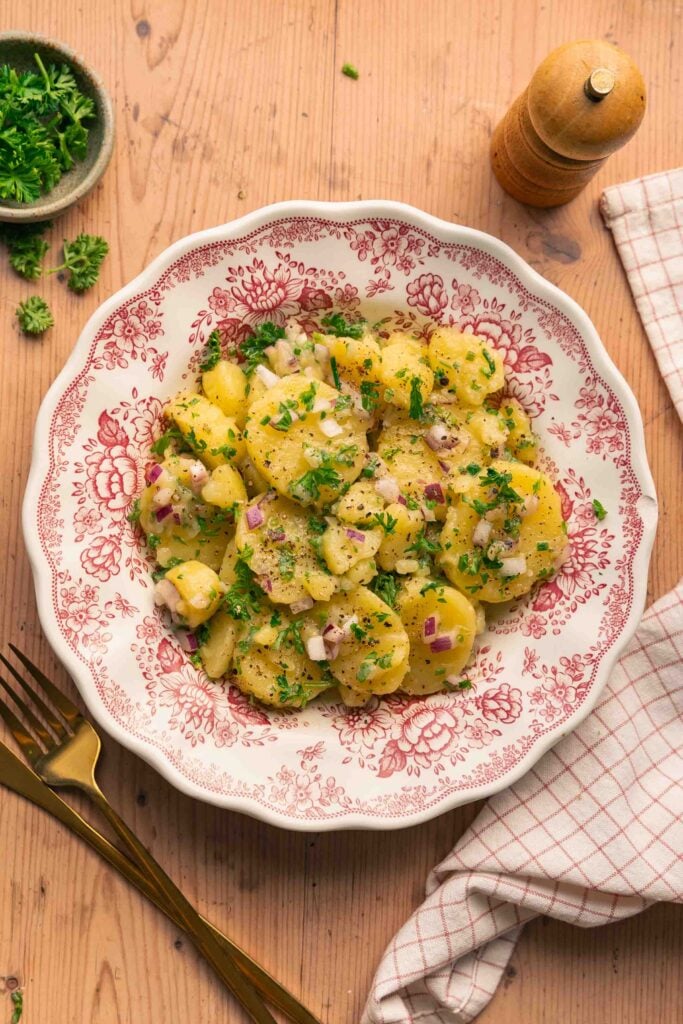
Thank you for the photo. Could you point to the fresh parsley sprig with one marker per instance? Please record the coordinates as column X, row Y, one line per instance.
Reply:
column 26, row 247
column 253, row 348
column 34, row 315
column 83, row 259
column 213, row 352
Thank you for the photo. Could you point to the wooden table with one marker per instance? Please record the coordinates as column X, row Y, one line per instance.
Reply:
column 222, row 107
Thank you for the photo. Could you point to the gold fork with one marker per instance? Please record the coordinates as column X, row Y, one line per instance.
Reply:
column 64, row 750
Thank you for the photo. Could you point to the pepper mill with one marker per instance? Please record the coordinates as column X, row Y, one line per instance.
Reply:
column 584, row 101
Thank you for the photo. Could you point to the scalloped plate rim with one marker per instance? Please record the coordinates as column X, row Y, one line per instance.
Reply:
column 350, row 210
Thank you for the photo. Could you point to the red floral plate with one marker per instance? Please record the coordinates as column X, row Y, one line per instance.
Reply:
column 543, row 661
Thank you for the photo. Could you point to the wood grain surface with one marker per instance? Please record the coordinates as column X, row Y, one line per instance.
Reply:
column 222, row 107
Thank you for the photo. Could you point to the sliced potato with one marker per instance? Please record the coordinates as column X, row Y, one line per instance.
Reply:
column 405, row 372
column 200, row 591
column 407, row 524
column 453, row 619
column 218, row 646
column 225, row 488
column 276, row 672
column 360, row 504
column 342, row 546
column 522, row 542
column 282, row 551
column 521, row 440
column 357, row 359
column 225, row 385
column 211, row 434
column 287, row 443
column 465, row 365
column 374, row 656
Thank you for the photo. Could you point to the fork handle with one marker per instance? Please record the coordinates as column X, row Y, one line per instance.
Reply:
column 201, row 935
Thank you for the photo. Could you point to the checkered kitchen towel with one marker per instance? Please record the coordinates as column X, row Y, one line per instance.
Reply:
column 593, row 833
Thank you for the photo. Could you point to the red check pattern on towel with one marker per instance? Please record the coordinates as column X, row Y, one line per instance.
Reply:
column 646, row 219
column 594, row 832
column 591, row 835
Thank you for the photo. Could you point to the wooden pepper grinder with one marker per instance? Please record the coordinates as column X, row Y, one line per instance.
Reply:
column 584, row 101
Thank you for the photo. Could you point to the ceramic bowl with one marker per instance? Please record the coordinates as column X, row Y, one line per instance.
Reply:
column 543, row 661
column 17, row 49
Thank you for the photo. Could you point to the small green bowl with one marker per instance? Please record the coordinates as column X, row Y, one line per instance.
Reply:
column 17, row 49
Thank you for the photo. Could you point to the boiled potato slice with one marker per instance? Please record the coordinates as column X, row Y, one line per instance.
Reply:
column 361, row 572
column 405, row 372
column 360, row 504
column 357, row 359
column 289, row 447
column 342, row 546
column 225, row 488
column 200, row 591
column 374, row 655
column 277, row 672
column 465, row 365
column 211, row 434
column 282, row 553
column 225, row 385
column 202, row 533
column 218, row 645
column 526, row 540
column 414, row 466
column 453, row 619
column 407, row 524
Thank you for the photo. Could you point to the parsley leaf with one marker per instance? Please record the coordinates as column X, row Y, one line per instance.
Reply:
column 386, row 521
column 290, row 636
column 18, row 1004
column 307, row 487
column 26, row 247
column 253, row 348
column 369, row 662
column 369, row 395
column 213, row 352
column 385, row 586
column 83, row 259
column 416, row 410
column 599, row 509
column 350, row 71
column 243, row 597
column 34, row 315
column 336, row 325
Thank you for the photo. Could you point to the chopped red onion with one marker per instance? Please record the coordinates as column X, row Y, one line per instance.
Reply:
column 166, row 593
column 401, row 500
column 482, row 532
column 387, row 488
column 161, row 513
column 301, row 606
column 513, row 566
column 188, row 641
column 254, row 516
column 529, row 505
column 316, row 648
column 441, row 644
column 445, row 468
column 276, row 535
column 430, row 627
column 267, row 376
column 434, row 492
column 438, row 437
column 177, row 518
column 265, row 583
column 199, row 474
column 333, row 634
column 355, row 535
column 154, row 472
column 331, row 428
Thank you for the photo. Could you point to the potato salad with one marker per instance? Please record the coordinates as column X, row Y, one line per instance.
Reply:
column 337, row 510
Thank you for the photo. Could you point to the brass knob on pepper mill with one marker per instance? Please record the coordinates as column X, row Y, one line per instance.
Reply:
column 584, row 101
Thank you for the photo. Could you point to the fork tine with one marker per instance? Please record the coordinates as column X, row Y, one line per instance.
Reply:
column 33, row 721
column 27, row 743
column 48, row 715
column 66, row 708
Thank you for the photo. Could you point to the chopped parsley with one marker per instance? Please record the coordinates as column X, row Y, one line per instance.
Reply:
column 289, row 691
column 386, row 521
column 308, row 486
column 416, row 409
column 168, row 437
column 213, row 352
column 286, row 563
column 358, row 631
column 335, row 373
column 370, row 662
column 385, row 586
column 422, row 545
column 369, row 395
column 18, row 1004
column 542, row 546
column 159, row 573
column 243, row 598
column 473, row 469
column 290, row 636
column 491, row 365
column 350, row 71
column 134, row 514
column 253, row 348
column 599, row 509
column 336, row 325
